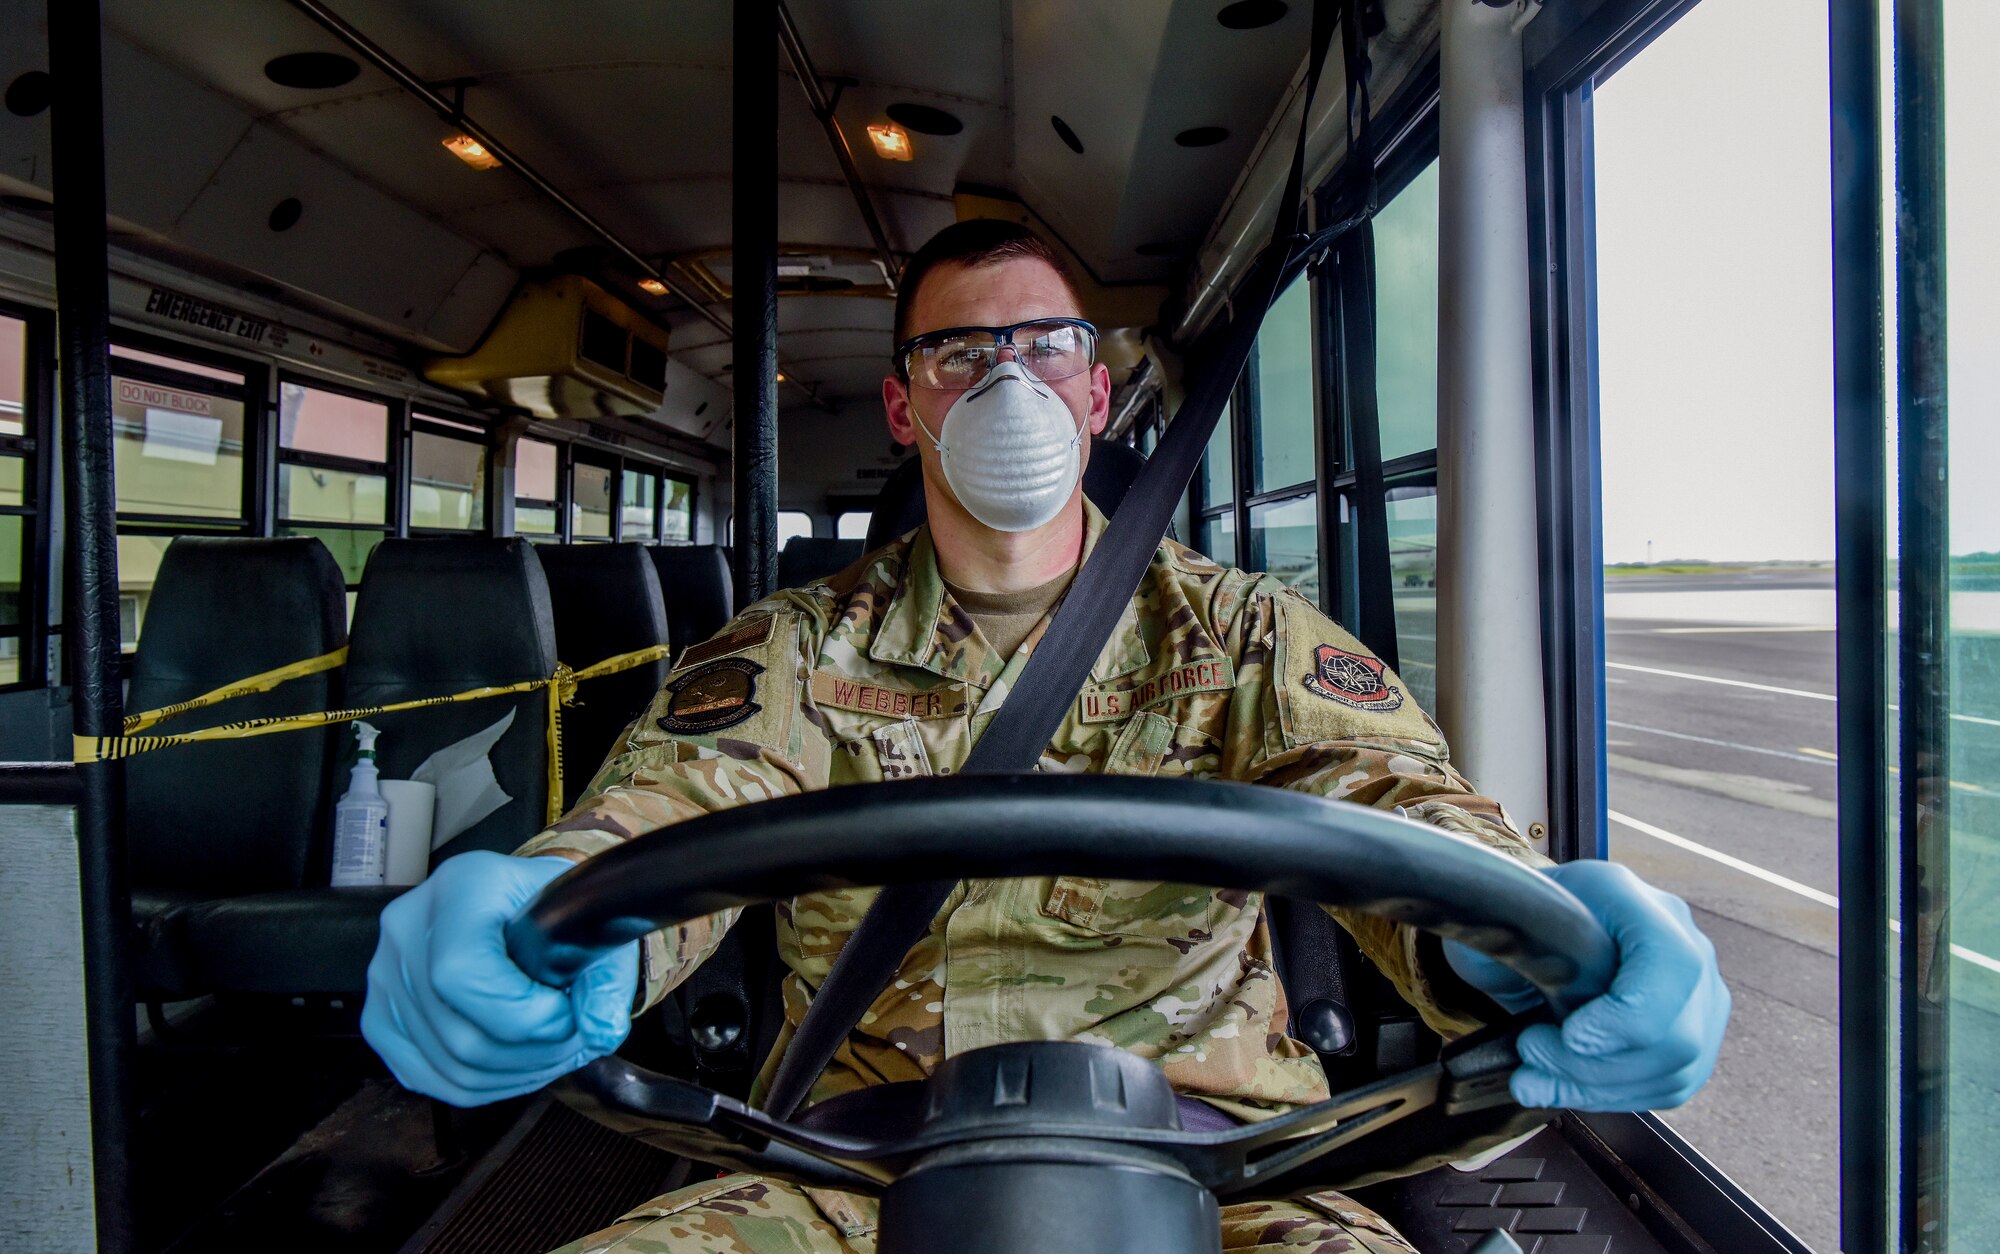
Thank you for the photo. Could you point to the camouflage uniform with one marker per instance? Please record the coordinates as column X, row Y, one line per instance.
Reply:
column 878, row 674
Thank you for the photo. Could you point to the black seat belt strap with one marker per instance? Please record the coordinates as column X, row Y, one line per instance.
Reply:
column 1055, row 671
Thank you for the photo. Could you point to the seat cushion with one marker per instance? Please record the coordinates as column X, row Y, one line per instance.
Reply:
column 162, row 967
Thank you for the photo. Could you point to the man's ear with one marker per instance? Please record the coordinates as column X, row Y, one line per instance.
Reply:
column 896, row 404
column 1100, row 398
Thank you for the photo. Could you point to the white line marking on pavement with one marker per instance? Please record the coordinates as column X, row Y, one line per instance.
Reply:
column 1720, row 744
column 1751, row 869
column 1783, row 692
column 1715, row 679
column 1726, row 631
column 1729, row 860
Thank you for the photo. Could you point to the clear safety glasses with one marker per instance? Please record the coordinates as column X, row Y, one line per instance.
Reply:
column 959, row 357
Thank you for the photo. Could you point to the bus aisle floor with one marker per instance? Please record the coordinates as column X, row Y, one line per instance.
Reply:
column 251, row 1124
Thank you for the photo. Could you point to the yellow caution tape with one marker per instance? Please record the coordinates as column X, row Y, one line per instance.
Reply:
column 561, row 688
column 242, row 687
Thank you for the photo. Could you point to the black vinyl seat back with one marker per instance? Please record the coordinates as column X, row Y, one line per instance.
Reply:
column 806, row 558
column 235, row 816
column 900, row 505
column 607, row 601
column 440, row 616
column 694, row 579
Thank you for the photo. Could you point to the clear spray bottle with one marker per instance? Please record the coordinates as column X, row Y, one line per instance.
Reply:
column 361, row 821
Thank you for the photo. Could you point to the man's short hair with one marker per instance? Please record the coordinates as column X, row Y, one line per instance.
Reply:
column 975, row 242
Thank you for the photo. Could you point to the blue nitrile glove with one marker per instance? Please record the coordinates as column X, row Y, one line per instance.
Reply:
column 453, row 1016
column 1647, row 1044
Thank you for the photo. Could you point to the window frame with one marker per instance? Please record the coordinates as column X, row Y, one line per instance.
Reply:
column 34, row 447
column 610, row 463
column 259, row 435
column 421, row 421
column 393, row 468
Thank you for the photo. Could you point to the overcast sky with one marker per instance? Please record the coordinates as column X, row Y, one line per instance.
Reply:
column 1714, row 307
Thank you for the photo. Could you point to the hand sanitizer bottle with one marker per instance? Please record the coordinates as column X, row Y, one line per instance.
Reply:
column 361, row 821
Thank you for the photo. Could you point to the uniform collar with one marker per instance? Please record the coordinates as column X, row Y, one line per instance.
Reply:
column 926, row 628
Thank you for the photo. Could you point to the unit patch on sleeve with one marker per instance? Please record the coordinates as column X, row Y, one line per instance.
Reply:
column 837, row 692
column 712, row 696
column 1353, row 679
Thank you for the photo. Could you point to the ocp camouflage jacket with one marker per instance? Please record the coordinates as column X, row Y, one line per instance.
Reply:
column 877, row 674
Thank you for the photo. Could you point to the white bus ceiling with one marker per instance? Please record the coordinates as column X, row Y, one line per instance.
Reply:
column 629, row 116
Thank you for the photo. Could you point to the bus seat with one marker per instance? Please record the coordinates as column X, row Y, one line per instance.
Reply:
column 900, row 506
column 433, row 617
column 440, row 616
column 694, row 579
column 607, row 601
column 806, row 558
column 229, row 818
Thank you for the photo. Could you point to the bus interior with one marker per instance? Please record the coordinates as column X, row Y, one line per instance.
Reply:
column 479, row 343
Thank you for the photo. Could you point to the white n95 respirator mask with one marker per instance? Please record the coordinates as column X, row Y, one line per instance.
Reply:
column 1011, row 449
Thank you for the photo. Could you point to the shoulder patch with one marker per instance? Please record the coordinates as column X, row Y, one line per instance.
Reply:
column 1330, row 687
column 712, row 696
column 748, row 636
column 1353, row 679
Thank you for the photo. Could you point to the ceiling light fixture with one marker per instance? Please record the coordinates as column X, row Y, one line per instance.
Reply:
column 472, row 152
column 892, row 142
column 652, row 287
column 781, row 376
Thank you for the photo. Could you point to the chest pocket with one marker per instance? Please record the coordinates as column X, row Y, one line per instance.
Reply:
column 1180, row 914
column 819, row 924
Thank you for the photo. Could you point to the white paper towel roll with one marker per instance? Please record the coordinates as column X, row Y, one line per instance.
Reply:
column 412, row 805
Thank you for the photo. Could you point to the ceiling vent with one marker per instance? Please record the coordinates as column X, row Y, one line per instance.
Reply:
column 565, row 349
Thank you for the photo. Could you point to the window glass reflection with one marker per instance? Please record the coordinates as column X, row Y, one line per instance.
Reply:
column 447, row 483
column 177, row 450
column 1285, row 391
column 1413, row 584
column 1284, row 541
column 1406, row 313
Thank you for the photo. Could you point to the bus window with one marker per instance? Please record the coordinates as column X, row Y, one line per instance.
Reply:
column 793, row 522
column 1282, row 432
column 1284, row 540
column 638, row 506
column 1406, row 311
column 178, row 439
column 1972, row 572
column 447, row 479
column 1413, row 526
column 590, row 501
column 535, row 488
column 1715, row 398
column 333, row 472
column 14, row 501
column 852, row 525
column 677, row 512
column 1215, row 486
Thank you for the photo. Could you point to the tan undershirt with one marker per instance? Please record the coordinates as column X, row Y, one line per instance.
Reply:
column 1006, row 618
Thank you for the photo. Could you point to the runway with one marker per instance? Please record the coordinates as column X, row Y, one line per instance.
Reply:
column 1720, row 735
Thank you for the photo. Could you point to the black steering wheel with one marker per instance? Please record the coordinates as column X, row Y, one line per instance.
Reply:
column 1045, row 1145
